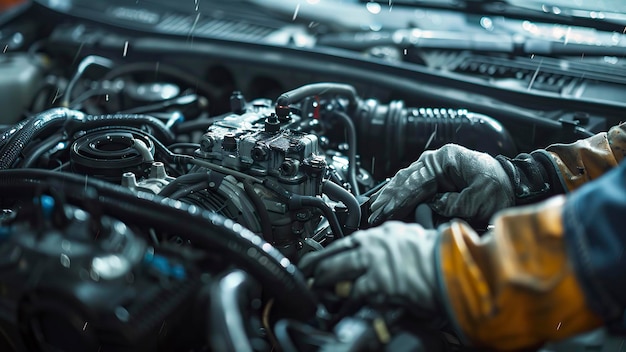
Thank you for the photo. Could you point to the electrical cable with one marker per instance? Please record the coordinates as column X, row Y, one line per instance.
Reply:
column 223, row 170
column 183, row 145
column 82, row 67
column 261, row 210
column 352, row 147
column 31, row 159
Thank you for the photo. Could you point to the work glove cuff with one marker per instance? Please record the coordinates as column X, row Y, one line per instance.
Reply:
column 532, row 175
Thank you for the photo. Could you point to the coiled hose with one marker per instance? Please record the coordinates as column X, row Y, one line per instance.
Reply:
column 17, row 138
column 161, row 149
column 208, row 231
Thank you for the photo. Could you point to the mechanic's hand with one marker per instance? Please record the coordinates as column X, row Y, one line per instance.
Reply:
column 455, row 181
column 393, row 262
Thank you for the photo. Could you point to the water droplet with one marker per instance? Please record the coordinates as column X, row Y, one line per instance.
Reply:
column 65, row 260
column 125, row 49
column 373, row 7
column 122, row 314
column 376, row 27
column 486, row 23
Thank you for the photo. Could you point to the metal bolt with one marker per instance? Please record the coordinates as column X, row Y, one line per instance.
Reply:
column 207, row 144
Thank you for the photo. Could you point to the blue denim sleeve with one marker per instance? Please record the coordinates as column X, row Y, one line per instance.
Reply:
column 595, row 236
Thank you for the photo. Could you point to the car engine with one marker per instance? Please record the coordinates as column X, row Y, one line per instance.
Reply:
column 285, row 173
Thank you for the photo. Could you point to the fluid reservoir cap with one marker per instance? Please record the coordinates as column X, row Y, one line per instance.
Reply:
column 272, row 125
column 230, row 142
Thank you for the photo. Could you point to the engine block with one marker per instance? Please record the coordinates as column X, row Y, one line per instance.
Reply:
column 258, row 143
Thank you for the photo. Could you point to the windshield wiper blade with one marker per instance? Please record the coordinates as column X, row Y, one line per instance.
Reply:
column 418, row 38
column 473, row 41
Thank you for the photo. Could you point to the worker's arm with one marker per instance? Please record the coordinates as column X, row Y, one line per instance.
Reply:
column 546, row 272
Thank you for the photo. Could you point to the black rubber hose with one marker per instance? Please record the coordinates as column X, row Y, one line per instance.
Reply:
column 183, row 145
column 193, row 178
column 392, row 135
column 298, row 202
column 31, row 159
column 294, row 96
column 308, row 338
column 187, row 190
column 93, row 121
column 76, row 103
column 180, row 101
column 36, row 125
column 17, row 138
column 352, row 147
column 206, row 230
column 261, row 210
column 11, row 130
column 194, row 125
column 82, row 67
column 230, row 297
column 338, row 193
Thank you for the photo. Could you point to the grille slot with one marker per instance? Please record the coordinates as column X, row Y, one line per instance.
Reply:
column 546, row 74
column 215, row 28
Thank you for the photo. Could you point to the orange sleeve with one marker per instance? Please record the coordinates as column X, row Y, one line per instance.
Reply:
column 513, row 288
column 589, row 158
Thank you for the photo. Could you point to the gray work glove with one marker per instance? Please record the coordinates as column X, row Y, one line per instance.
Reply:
column 455, row 181
column 393, row 263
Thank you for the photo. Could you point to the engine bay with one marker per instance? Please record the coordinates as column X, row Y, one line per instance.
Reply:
column 158, row 191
